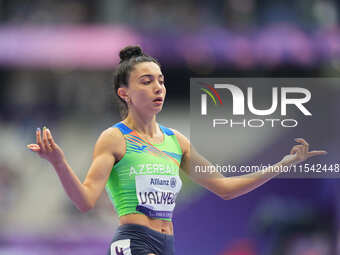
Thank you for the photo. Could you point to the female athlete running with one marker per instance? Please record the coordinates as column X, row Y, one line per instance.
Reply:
column 138, row 161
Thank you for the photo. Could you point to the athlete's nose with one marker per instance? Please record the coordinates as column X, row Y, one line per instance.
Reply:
column 158, row 88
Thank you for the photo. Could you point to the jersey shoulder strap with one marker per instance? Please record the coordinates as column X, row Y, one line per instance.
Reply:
column 123, row 128
column 126, row 130
column 166, row 130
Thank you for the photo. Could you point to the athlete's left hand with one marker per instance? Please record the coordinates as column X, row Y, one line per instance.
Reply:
column 300, row 152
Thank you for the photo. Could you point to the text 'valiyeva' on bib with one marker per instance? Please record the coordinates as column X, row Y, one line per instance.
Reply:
column 157, row 194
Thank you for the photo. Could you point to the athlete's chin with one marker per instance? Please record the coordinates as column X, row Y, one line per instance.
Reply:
column 157, row 109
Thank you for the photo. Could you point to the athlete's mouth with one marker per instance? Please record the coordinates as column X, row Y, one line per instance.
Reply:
column 158, row 99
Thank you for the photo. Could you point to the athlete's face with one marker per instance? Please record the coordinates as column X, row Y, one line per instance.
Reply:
column 146, row 88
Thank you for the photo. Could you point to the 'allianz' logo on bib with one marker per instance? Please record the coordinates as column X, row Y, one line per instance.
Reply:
column 158, row 181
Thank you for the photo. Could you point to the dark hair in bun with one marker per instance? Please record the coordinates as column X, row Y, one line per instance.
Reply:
column 129, row 57
column 129, row 52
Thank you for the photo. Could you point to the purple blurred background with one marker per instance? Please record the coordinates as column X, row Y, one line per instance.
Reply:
column 56, row 63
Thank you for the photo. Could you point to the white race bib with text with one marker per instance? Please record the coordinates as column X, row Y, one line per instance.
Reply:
column 157, row 194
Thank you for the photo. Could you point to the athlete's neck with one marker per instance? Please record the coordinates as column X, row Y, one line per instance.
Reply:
column 143, row 125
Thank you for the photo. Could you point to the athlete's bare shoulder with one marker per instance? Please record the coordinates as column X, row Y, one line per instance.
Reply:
column 112, row 139
column 179, row 135
column 182, row 140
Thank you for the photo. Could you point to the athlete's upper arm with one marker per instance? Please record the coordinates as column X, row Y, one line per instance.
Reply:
column 107, row 147
column 191, row 158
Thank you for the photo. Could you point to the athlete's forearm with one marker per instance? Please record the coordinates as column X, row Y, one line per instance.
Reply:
column 75, row 190
column 237, row 186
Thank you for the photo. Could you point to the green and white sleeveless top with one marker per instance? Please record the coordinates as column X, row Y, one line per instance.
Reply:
column 146, row 180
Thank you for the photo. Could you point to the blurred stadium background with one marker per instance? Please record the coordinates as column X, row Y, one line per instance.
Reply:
column 56, row 63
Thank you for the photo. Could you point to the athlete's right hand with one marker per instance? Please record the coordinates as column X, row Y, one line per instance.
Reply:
column 47, row 148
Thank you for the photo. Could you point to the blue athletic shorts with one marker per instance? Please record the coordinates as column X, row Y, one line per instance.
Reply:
column 133, row 239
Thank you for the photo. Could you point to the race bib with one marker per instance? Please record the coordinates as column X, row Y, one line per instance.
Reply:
column 157, row 194
column 121, row 247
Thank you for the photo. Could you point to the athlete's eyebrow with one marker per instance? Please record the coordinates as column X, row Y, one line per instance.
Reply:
column 150, row 76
